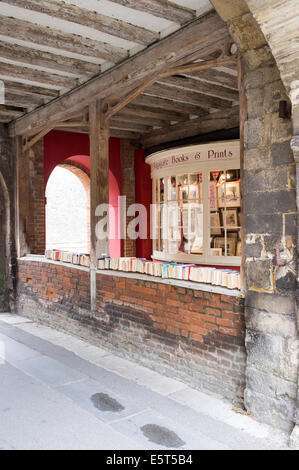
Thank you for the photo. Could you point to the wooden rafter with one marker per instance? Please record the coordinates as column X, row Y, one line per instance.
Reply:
column 161, row 8
column 91, row 19
column 55, row 62
column 21, row 73
column 196, row 37
column 201, row 87
column 158, row 90
column 41, row 35
column 225, row 119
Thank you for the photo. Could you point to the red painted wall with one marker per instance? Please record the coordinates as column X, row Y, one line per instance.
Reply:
column 143, row 195
column 60, row 146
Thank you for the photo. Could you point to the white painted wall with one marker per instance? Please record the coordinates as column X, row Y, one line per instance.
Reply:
column 66, row 216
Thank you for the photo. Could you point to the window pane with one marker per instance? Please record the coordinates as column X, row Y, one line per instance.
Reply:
column 172, row 189
column 162, row 190
column 183, row 187
column 195, row 186
column 192, row 228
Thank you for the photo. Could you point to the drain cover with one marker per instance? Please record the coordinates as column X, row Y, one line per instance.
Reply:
column 162, row 436
column 103, row 402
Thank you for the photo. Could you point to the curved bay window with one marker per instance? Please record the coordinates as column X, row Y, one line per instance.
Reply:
column 197, row 204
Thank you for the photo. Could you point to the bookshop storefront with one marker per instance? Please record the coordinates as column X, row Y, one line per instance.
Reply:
column 206, row 290
column 182, row 307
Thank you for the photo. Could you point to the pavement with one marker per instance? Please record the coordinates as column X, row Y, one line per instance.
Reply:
column 59, row 392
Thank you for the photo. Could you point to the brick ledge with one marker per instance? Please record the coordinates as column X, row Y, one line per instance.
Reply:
column 143, row 277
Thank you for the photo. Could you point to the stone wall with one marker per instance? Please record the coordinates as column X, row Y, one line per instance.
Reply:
column 7, row 244
column 189, row 334
column 271, row 231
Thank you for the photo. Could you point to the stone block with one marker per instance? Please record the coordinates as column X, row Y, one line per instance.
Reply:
column 260, row 224
column 277, row 129
column 257, row 158
column 281, row 154
column 294, row 439
column 262, row 76
column 292, row 177
column 271, row 386
column 273, row 354
column 258, row 274
column 254, row 250
column 264, row 352
column 271, row 303
column 276, row 409
column 270, row 202
column 290, row 359
column 257, row 57
column 271, row 323
column 254, row 133
column 266, row 180
column 274, row 93
column 285, row 279
column 229, row 9
column 246, row 33
column 291, row 225
column 255, row 102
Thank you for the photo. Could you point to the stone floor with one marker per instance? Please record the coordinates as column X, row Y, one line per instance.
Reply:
column 58, row 392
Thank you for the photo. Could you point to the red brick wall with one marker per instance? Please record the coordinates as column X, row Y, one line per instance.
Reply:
column 36, row 221
column 189, row 334
column 128, row 190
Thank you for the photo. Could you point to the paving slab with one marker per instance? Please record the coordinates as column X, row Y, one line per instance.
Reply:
column 98, row 400
column 12, row 319
column 155, row 430
column 127, row 405
column 35, row 417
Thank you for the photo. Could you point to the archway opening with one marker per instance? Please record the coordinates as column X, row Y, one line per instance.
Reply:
column 68, row 209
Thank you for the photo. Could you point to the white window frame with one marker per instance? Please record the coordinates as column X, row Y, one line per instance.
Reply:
column 203, row 167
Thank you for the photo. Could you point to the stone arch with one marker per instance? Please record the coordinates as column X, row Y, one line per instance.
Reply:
column 5, row 245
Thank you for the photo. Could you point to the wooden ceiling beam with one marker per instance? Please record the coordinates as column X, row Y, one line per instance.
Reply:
column 152, row 112
column 46, row 78
column 23, row 101
column 198, row 36
column 91, row 19
column 161, row 8
column 225, row 119
column 168, row 105
column 8, row 114
column 201, row 87
column 130, row 135
column 55, row 62
column 218, row 77
column 122, row 124
column 186, row 96
column 41, row 35
column 148, row 121
column 30, row 90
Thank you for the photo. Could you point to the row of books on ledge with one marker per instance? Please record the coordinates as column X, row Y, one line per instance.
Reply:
column 68, row 257
column 188, row 272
